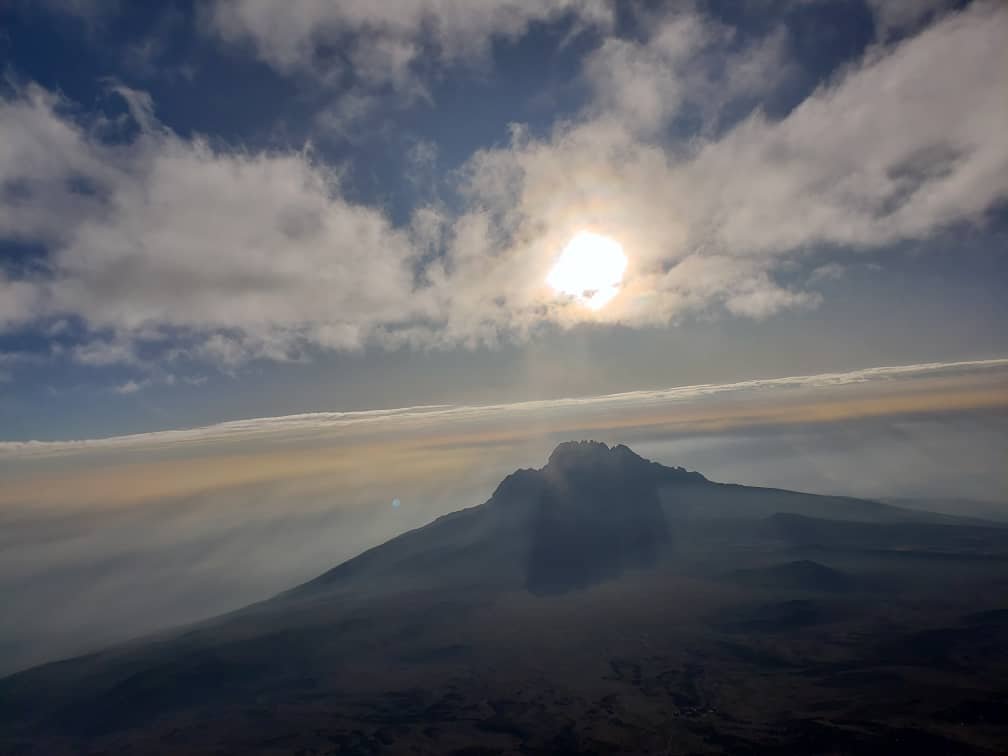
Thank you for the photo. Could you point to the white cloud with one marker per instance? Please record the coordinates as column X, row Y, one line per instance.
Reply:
column 348, row 116
column 129, row 387
column 686, row 60
column 247, row 253
column 20, row 302
column 904, row 15
column 44, row 155
column 385, row 43
column 220, row 255
column 105, row 352
column 828, row 272
column 442, row 416
column 902, row 146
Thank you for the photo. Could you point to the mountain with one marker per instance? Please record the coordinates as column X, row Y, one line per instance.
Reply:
column 602, row 603
column 590, row 513
column 803, row 575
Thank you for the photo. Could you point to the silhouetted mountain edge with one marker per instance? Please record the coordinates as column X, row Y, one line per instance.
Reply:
column 591, row 512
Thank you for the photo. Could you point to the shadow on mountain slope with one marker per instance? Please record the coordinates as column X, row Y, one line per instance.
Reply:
column 602, row 603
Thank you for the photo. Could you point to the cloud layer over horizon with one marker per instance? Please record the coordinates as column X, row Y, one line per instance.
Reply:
column 102, row 541
column 397, row 419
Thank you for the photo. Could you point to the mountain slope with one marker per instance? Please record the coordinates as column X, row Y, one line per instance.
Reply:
column 589, row 513
column 803, row 574
column 571, row 612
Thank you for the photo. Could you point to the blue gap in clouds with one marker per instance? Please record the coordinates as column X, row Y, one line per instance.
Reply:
column 22, row 259
column 529, row 81
column 199, row 84
column 820, row 39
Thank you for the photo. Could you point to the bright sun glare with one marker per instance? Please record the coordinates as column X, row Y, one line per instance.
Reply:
column 590, row 268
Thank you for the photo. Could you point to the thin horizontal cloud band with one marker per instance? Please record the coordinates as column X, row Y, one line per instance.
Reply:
column 306, row 423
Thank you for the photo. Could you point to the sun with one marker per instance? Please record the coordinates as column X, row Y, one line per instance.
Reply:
column 590, row 269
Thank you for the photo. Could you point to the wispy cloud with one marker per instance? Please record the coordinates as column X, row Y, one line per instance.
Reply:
column 129, row 387
column 386, row 44
column 442, row 416
column 209, row 253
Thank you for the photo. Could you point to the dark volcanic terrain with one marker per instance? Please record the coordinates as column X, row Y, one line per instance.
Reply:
column 601, row 604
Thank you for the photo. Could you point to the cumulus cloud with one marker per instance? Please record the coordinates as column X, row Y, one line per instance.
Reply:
column 48, row 168
column 882, row 153
column 169, row 245
column 900, row 147
column 249, row 253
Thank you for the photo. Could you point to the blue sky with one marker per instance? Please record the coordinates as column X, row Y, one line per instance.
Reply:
column 232, row 208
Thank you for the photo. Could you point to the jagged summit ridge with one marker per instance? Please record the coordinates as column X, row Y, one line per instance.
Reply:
column 587, row 462
column 569, row 451
column 587, row 457
column 589, row 513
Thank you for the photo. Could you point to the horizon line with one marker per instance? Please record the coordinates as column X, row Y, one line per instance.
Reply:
column 228, row 429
